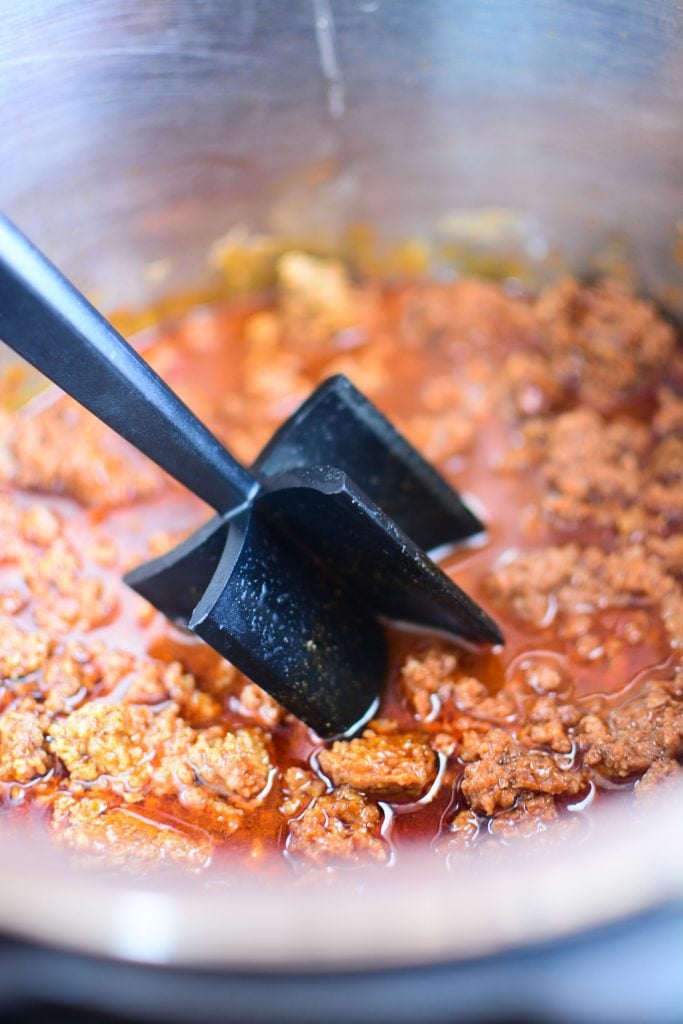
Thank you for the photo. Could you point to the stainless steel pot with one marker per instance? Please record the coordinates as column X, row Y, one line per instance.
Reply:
column 133, row 138
column 138, row 133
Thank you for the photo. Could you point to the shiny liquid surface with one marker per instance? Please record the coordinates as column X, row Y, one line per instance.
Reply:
column 416, row 357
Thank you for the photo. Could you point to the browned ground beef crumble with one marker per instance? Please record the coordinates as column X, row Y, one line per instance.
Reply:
column 563, row 415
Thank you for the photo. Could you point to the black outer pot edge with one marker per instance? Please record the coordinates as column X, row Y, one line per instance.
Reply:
column 624, row 973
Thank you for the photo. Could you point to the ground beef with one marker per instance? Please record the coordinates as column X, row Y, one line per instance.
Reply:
column 549, row 722
column 68, row 677
column 469, row 316
column 669, row 551
column 101, row 835
column 666, row 467
column 602, row 341
column 564, row 412
column 316, row 298
column 342, row 825
column 574, row 583
column 63, row 598
column 40, row 525
column 210, row 811
column 12, row 600
column 542, row 677
column 21, row 652
column 299, row 787
column 253, row 702
column 237, row 764
column 401, row 766
column 669, row 416
column 635, row 736
column 603, row 473
column 590, row 466
column 75, row 670
column 422, row 678
column 530, row 702
column 504, row 769
column 440, row 435
column 44, row 457
column 23, row 749
column 140, row 754
column 470, row 695
column 147, row 681
column 531, row 384
column 529, row 583
column 113, row 740
column 464, row 829
column 660, row 773
column 439, row 691
column 531, row 815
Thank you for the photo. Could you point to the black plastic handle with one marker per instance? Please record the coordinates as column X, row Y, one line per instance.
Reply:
column 48, row 322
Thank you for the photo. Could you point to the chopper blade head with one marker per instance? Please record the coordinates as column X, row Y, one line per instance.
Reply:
column 338, row 426
column 292, row 589
column 355, row 542
column 285, row 621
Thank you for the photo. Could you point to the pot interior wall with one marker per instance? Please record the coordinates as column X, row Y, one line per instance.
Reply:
column 135, row 135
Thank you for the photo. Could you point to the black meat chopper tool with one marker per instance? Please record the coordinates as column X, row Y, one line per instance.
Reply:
column 322, row 539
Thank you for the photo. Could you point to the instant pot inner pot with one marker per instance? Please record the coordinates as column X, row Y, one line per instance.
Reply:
column 138, row 137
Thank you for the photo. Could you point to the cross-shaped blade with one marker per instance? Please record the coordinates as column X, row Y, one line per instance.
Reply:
column 359, row 505
column 310, row 550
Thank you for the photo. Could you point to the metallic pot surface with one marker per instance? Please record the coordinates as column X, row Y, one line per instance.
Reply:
column 140, row 133
column 136, row 136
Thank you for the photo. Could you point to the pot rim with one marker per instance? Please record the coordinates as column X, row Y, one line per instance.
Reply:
column 500, row 898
